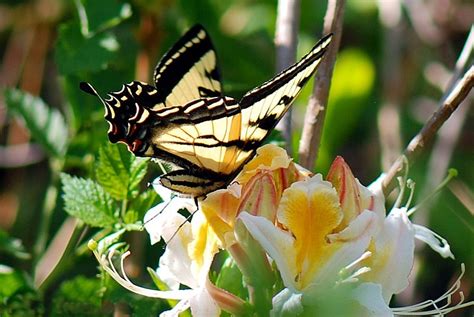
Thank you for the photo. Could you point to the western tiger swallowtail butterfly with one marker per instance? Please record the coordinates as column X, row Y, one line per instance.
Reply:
column 186, row 120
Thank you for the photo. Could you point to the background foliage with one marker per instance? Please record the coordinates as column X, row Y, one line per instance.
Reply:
column 55, row 160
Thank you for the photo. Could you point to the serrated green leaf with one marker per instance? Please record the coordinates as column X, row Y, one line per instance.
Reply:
column 120, row 172
column 88, row 201
column 78, row 297
column 46, row 125
column 17, row 295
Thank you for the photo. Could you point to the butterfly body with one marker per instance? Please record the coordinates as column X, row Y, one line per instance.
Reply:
column 186, row 120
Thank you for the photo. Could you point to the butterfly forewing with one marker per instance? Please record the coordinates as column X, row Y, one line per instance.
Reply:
column 188, row 71
column 265, row 105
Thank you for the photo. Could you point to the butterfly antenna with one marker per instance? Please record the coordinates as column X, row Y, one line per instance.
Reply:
column 184, row 222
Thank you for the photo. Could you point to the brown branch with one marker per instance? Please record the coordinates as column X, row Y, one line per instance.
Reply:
column 420, row 141
column 449, row 134
column 315, row 113
column 286, row 38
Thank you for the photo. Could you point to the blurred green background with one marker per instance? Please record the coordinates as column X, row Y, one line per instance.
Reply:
column 394, row 64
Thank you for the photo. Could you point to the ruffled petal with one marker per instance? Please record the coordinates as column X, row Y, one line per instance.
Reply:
column 310, row 211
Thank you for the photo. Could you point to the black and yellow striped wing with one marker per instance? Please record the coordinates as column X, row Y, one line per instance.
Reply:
column 188, row 71
column 214, row 137
column 186, row 121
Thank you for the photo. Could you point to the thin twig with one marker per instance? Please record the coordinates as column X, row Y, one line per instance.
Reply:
column 448, row 135
column 420, row 141
column 316, row 111
column 286, row 40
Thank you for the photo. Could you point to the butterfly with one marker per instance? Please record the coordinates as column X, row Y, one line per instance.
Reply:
column 186, row 120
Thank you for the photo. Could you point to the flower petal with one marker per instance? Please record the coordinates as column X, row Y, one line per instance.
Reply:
column 175, row 263
column 286, row 303
column 202, row 304
column 159, row 222
column 392, row 254
column 369, row 295
column 364, row 224
column 202, row 248
column 341, row 177
column 310, row 210
column 434, row 240
column 270, row 157
column 260, row 185
column 189, row 253
column 276, row 242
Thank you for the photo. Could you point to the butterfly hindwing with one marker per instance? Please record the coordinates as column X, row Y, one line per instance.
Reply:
column 188, row 71
column 128, row 113
column 187, row 121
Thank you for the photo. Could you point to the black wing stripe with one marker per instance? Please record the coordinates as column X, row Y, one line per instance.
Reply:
column 178, row 61
column 199, row 111
column 285, row 76
column 240, row 144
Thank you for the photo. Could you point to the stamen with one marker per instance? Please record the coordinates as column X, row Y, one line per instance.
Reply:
column 122, row 265
column 107, row 264
column 419, row 309
column 402, row 182
column 363, row 257
column 352, row 278
column 451, row 174
column 411, row 185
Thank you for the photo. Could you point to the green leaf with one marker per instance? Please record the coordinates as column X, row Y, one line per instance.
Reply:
column 230, row 278
column 17, row 296
column 12, row 246
column 46, row 125
column 94, row 18
column 120, row 172
column 78, row 297
column 161, row 285
column 143, row 203
column 138, row 305
column 76, row 53
column 88, row 201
